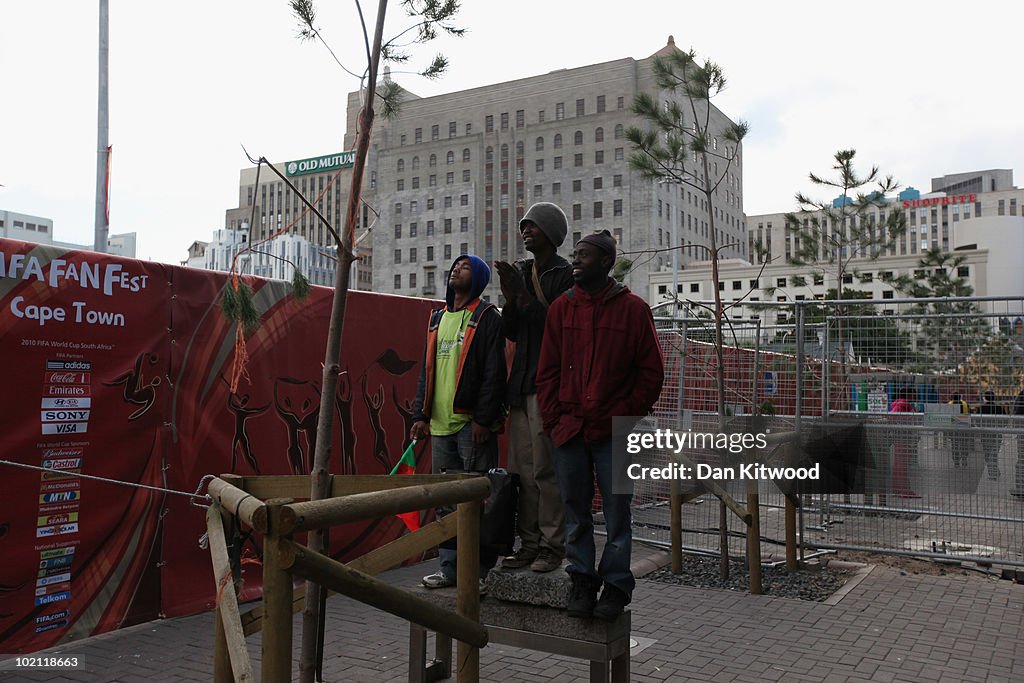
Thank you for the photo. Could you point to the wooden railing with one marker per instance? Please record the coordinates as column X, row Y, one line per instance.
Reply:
column 267, row 505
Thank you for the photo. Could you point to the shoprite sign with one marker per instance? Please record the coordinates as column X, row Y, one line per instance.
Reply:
column 331, row 162
column 936, row 201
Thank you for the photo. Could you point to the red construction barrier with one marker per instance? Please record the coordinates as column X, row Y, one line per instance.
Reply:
column 120, row 369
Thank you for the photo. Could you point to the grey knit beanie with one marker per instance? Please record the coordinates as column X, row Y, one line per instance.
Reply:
column 550, row 219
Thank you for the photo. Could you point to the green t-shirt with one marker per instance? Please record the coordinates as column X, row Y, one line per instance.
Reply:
column 450, row 333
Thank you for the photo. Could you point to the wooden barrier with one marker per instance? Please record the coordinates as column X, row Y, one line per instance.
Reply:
column 359, row 498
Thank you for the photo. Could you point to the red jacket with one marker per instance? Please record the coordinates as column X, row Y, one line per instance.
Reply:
column 599, row 358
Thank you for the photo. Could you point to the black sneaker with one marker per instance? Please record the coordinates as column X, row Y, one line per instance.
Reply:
column 611, row 604
column 582, row 597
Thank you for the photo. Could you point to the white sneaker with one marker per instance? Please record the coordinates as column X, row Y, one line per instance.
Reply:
column 438, row 580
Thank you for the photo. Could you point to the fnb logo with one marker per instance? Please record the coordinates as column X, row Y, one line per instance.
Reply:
column 60, row 497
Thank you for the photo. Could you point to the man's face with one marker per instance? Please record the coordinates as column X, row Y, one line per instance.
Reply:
column 590, row 265
column 533, row 237
column 461, row 278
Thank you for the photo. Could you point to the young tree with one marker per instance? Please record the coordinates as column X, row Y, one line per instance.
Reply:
column 944, row 342
column 428, row 19
column 680, row 147
column 831, row 238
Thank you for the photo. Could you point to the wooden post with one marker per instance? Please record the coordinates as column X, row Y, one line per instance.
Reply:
column 277, row 601
column 467, row 600
column 229, row 652
column 754, row 537
column 675, row 502
column 791, row 562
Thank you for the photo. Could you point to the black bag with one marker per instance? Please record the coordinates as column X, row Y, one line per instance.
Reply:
column 498, row 526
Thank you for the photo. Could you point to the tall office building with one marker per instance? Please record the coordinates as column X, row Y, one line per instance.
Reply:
column 454, row 173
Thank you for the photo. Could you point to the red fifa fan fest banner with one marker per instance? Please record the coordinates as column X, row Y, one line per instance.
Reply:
column 120, row 369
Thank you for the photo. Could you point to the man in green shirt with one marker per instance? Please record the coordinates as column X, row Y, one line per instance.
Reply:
column 461, row 393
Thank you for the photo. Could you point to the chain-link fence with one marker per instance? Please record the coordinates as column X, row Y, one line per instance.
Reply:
column 935, row 383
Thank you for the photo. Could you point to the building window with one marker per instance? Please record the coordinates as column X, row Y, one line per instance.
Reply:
column 819, row 279
column 577, row 139
column 504, row 120
column 400, row 185
column 465, row 155
column 451, row 129
column 401, row 140
column 433, row 160
column 755, row 284
column 489, row 123
column 600, row 104
column 599, row 156
column 416, row 183
column 576, row 237
column 465, row 175
column 619, row 131
column 538, row 191
column 577, row 212
column 617, row 180
column 556, row 188
column 963, row 271
column 599, row 134
column 418, row 135
column 412, row 280
column 464, row 224
column 432, row 180
column 598, row 182
column 780, row 282
column 598, row 210
column 401, row 165
column 447, row 226
column 450, row 157
column 847, row 279
column 737, row 284
column 398, row 256
column 413, row 229
column 448, row 202
column 540, row 116
column 620, row 154
column 398, row 208
column 540, row 165
column 520, row 118
column 579, row 107
column 449, row 178
column 577, row 185
column 558, row 141
column 464, row 200
column 448, row 252
column 430, row 230
column 398, row 281
column 620, row 102
column 398, row 230
column 694, row 288
column 557, row 163
column 412, row 256
column 559, row 111
column 539, row 145
column 617, row 207
column 414, row 206
column 577, row 160
column 887, row 294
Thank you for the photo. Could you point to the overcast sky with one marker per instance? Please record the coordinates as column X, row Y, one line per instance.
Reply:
column 921, row 89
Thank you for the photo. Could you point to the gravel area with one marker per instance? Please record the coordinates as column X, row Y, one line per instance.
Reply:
column 814, row 584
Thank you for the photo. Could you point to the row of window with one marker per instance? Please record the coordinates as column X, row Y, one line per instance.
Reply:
column 446, row 227
column 446, row 202
column 432, row 160
column 449, row 179
column 577, row 160
column 504, row 120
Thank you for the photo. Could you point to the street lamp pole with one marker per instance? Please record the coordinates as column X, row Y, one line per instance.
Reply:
column 102, row 150
column 675, row 247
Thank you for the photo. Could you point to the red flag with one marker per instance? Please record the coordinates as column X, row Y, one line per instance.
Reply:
column 407, row 465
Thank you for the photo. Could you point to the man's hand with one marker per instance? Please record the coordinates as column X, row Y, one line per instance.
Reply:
column 480, row 435
column 512, row 287
column 419, row 430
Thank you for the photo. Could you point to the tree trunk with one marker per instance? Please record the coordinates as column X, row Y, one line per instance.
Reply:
column 311, row 615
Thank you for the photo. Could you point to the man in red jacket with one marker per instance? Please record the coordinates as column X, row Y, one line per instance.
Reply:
column 599, row 358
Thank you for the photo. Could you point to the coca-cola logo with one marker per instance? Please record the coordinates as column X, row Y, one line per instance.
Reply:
column 64, row 378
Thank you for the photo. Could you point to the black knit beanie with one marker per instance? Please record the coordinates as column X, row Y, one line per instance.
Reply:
column 550, row 219
column 603, row 240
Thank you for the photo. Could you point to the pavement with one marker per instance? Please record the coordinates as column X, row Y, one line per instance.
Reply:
column 889, row 626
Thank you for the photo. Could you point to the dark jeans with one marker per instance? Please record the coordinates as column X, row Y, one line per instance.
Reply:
column 577, row 462
column 453, row 454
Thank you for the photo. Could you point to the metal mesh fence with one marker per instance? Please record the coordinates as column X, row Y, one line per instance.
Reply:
column 937, row 385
